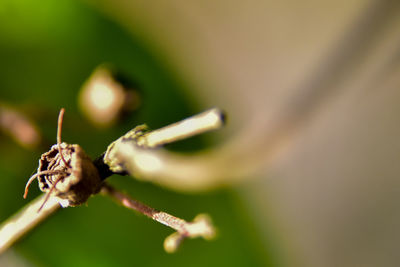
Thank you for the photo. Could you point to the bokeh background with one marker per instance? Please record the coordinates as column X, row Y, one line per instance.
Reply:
column 307, row 165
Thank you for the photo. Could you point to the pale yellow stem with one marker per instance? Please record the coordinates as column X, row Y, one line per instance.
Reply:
column 24, row 220
column 208, row 120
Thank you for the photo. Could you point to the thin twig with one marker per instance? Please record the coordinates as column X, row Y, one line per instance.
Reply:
column 48, row 194
column 36, row 175
column 25, row 220
column 200, row 227
column 59, row 131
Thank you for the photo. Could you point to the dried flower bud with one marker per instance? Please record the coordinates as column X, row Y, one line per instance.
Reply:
column 67, row 172
column 74, row 183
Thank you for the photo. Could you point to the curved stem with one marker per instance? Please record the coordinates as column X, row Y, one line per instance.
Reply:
column 33, row 177
column 59, row 130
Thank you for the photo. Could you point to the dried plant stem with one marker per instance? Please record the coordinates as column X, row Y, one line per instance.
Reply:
column 200, row 227
column 138, row 154
column 25, row 220
column 209, row 120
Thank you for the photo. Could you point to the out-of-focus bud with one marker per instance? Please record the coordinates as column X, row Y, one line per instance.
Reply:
column 103, row 99
column 19, row 127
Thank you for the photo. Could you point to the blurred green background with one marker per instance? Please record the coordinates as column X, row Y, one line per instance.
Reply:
column 47, row 51
column 307, row 162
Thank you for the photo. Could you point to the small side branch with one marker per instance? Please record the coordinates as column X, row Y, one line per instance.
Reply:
column 139, row 153
column 25, row 220
column 200, row 227
column 208, row 120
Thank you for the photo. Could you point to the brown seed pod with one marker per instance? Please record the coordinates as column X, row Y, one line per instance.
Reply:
column 66, row 172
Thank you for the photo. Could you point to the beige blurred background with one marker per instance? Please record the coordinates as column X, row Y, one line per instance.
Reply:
column 312, row 90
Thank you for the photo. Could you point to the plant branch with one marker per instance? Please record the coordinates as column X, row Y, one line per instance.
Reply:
column 25, row 220
column 136, row 153
column 200, row 227
column 209, row 120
